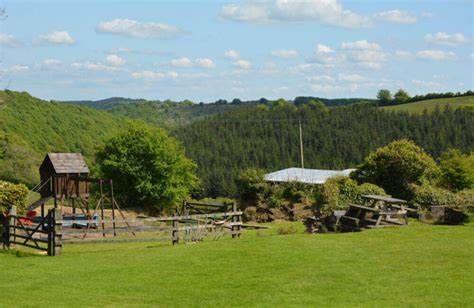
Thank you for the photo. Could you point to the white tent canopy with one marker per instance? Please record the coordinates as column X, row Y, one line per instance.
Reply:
column 307, row 176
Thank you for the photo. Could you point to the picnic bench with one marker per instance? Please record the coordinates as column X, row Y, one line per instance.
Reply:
column 382, row 212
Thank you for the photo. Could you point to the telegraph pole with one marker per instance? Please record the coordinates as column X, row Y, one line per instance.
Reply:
column 301, row 144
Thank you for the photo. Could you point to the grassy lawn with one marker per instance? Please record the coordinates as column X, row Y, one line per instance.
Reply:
column 418, row 265
column 430, row 105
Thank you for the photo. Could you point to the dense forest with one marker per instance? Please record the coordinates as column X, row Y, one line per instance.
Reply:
column 268, row 137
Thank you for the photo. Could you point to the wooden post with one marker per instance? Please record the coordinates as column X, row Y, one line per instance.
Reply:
column 234, row 220
column 54, row 233
column 174, row 233
column 58, row 234
column 113, row 204
column 101, row 207
column 5, row 231
column 12, row 223
column 43, row 227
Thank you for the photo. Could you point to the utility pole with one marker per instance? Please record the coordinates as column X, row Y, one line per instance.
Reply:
column 301, row 144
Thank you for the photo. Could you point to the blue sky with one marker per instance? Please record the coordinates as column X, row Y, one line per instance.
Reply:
column 206, row 50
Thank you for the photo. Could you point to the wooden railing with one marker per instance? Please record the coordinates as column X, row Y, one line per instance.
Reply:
column 49, row 233
column 43, row 234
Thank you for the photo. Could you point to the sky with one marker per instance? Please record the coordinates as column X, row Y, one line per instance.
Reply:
column 209, row 50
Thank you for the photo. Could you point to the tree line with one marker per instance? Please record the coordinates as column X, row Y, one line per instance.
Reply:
column 384, row 96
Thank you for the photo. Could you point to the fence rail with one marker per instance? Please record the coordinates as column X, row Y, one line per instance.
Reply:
column 44, row 235
column 49, row 233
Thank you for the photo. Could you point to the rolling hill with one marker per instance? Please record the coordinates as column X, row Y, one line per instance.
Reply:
column 170, row 113
column 30, row 127
column 432, row 104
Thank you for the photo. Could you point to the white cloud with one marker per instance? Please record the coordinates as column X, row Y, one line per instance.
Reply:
column 285, row 53
column 322, row 78
column 8, row 40
column 205, row 63
column 396, row 16
column 148, row 75
column 443, row 38
column 270, row 68
column 365, row 54
column 251, row 12
column 115, row 60
column 323, row 49
column 186, row 62
column 243, row 64
column 351, row 77
column 133, row 28
column 182, row 62
column 172, row 75
column 326, row 55
column 360, row 45
column 18, row 68
column 436, row 55
column 49, row 64
column 327, row 12
column 232, row 54
column 92, row 66
column 303, row 68
column 57, row 37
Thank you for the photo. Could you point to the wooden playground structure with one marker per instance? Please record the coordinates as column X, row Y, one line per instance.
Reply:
column 85, row 210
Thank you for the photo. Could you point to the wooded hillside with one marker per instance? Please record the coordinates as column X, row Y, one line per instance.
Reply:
column 170, row 113
column 224, row 138
column 30, row 127
column 335, row 138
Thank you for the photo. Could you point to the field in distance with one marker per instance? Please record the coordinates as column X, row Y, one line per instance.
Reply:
column 375, row 268
column 430, row 105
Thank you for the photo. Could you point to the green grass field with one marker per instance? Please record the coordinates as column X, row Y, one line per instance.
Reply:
column 418, row 265
column 430, row 105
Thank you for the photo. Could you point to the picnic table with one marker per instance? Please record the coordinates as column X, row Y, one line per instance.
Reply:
column 384, row 211
column 389, row 203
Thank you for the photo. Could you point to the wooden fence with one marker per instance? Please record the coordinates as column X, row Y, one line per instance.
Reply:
column 44, row 234
column 52, row 231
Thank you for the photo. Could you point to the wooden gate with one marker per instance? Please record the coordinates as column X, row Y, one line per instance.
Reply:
column 43, row 234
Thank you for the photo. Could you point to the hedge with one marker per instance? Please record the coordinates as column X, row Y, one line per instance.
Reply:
column 13, row 194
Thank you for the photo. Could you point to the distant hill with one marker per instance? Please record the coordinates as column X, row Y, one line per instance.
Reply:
column 30, row 127
column 431, row 104
column 170, row 113
column 106, row 104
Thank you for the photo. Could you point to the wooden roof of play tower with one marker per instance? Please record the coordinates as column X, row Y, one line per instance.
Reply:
column 65, row 163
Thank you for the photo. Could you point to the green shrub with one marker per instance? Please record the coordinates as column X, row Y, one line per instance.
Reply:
column 338, row 192
column 368, row 189
column 426, row 196
column 466, row 200
column 287, row 229
column 13, row 194
column 457, row 170
column 397, row 165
